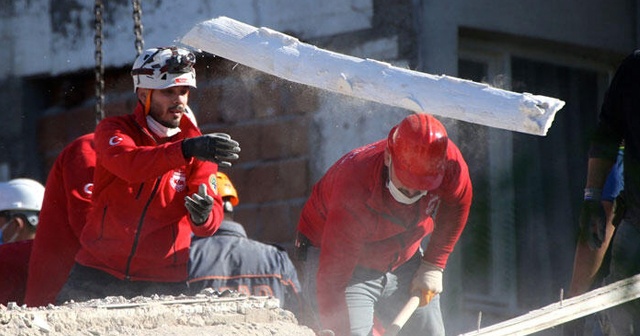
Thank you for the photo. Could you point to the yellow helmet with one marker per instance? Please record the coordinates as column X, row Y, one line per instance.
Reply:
column 226, row 188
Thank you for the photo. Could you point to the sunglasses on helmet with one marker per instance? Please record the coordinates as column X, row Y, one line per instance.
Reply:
column 176, row 64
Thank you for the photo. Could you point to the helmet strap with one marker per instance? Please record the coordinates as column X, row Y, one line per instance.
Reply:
column 147, row 103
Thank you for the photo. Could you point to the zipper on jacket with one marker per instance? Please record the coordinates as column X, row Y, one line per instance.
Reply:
column 175, row 240
column 139, row 190
column 401, row 242
column 104, row 215
column 134, row 247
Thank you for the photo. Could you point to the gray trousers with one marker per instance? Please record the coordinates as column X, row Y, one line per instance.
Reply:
column 372, row 293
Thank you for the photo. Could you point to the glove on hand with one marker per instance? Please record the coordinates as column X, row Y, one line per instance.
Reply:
column 619, row 208
column 199, row 205
column 428, row 278
column 593, row 219
column 214, row 147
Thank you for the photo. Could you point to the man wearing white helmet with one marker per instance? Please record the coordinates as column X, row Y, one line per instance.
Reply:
column 20, row 204
column 154, row 186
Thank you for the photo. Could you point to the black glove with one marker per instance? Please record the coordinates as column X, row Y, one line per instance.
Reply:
column 199, row 205
column 619, row 208
column 593, row 220
column 214, row 147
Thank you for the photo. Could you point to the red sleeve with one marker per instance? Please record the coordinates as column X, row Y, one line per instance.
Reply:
column 63, row 215
column 118, row 152
column 342, row 243
column 453, row 211
column 77, row 182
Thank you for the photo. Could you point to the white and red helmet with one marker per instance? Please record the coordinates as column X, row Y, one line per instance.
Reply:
column 160, row 68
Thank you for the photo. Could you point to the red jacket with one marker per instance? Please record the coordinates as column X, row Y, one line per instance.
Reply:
column 138, row 227
column 14, row 263
column 67, row 200
column 355, row 221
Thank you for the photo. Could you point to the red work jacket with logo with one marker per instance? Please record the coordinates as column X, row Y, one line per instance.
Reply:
column 355, row 221
column 67, row 199
column 138, row 227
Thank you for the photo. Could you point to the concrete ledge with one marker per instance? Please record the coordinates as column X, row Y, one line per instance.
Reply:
column 205, row 315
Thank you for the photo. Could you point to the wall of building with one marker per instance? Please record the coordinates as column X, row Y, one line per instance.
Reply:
column 51, row 56
column 274, row 120
column 560, row 33
column 588, row 26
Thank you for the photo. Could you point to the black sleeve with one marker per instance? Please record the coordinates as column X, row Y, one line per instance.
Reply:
column 621, row 97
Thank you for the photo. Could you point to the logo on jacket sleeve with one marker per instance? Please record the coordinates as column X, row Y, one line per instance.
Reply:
column 88, row 189
column 115, row 140
column 179, row 180
column 213, row 183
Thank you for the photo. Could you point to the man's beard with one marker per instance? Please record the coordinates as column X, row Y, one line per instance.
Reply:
column 167, row 127
column 172, row 123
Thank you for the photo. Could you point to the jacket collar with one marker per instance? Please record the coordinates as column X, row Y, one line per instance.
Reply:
column 231, row 228
column 186, row 125
column 380, row 199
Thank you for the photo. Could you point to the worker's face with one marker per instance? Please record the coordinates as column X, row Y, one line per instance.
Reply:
column 168, row 105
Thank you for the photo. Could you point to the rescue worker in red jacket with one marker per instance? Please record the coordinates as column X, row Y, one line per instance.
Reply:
column 67, row 200
column 66, row 203
column 154, row 185
column 366, row 219
column 20, row 205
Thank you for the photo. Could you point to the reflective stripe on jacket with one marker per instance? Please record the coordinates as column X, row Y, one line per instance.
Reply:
column 230, row 260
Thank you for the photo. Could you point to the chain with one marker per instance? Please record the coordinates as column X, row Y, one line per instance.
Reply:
column 99, row 70
column 137, row 26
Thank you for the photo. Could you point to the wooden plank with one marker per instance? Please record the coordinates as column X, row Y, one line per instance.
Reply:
column 286, row 57
column 566, row 310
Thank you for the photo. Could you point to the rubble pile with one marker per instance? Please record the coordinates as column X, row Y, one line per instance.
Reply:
column 203, row 314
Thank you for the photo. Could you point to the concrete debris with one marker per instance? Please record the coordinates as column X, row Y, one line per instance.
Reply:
column 203, row 314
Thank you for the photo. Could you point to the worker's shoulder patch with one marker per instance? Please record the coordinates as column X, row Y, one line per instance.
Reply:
column 213, row 183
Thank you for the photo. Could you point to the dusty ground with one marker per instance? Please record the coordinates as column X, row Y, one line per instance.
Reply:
column 201, row 315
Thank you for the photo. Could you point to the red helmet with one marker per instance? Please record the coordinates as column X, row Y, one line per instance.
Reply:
column 418, row 148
